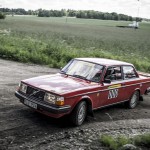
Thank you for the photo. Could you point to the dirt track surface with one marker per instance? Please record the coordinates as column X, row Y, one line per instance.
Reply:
column 22, row 128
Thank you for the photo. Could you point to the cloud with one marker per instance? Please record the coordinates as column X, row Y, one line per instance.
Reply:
column 129, row 7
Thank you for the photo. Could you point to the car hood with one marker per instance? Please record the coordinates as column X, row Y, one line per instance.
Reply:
column 58, row 83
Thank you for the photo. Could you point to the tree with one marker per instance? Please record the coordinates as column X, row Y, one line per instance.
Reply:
column 71, row 13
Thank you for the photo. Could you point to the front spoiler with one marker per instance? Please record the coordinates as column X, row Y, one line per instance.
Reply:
column 44, row 107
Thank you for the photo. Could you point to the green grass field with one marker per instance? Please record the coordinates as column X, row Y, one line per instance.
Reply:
column 53, row 41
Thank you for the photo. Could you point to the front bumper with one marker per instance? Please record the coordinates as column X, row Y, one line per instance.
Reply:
column 54, row 111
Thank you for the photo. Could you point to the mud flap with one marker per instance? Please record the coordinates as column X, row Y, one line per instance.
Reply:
column 90, row 112
column 141, row 98
column 147, row 91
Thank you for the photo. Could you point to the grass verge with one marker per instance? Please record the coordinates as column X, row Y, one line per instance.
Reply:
column 114, row 143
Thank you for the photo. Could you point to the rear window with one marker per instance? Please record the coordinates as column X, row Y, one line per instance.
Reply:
column 129, row 72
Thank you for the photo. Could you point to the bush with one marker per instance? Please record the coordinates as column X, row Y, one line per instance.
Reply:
column 2, row 16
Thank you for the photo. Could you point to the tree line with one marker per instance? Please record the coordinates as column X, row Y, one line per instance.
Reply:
column 87, row 14
column 18, row 11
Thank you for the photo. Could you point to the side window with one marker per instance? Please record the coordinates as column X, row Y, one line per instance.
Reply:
column 113, row 73
column 129, row 72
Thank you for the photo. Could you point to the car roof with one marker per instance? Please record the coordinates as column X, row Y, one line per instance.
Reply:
column 104, row 62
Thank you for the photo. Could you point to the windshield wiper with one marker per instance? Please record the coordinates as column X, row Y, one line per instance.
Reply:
column 78, row 76
column 63, row 72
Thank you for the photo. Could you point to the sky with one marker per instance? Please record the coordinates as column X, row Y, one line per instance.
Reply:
column 128, row 7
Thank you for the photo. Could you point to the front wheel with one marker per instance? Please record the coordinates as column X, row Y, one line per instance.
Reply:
column 79, row 113
column 132, row 103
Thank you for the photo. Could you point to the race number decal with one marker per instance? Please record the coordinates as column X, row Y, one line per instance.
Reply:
column 113, row 93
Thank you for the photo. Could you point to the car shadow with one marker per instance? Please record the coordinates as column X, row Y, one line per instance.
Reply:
column 62, row 122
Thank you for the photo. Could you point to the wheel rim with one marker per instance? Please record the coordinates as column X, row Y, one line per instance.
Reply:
column 134, row 100
column 82, row 113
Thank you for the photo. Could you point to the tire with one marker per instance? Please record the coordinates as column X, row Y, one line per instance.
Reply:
column 78, row 115
column 132, row 103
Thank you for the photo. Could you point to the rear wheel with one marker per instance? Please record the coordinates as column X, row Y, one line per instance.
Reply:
column 79, row 113
column 132, row 103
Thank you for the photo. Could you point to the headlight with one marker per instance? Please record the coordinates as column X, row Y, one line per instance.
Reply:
column 53, row 99
column 23, row 87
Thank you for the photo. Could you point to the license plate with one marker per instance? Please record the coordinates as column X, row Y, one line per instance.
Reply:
column 31, row 104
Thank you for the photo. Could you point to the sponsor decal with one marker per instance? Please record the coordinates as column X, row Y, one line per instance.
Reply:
column 113, row 93
column 114, row 86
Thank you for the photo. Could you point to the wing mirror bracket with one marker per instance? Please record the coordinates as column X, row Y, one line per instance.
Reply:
column 107, row 81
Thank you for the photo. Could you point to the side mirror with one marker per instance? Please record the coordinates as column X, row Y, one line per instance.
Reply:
column 107, row 81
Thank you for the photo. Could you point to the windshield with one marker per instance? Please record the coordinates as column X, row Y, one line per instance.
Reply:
column 83, row 70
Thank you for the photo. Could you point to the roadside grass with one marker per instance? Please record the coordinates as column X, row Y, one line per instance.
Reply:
column 53, row 42
column 115, row 143
column 142, row 140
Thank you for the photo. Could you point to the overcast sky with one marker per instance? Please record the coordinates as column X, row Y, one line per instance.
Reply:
column 129, row 7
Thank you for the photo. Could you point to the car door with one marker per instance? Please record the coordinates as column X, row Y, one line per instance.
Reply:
column 112, row 92
column 131, row 81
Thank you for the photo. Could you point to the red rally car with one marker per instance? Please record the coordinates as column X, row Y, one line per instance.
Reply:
column 83, row 85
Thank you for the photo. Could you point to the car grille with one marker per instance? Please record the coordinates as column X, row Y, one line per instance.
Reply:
column 35, row 93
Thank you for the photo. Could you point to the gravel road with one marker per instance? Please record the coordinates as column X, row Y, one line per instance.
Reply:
column 21, row 128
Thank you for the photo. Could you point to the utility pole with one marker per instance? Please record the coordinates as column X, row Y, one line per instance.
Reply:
column 66, row 16
column 12, row 13
column 138, row 8
column 138, row 11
